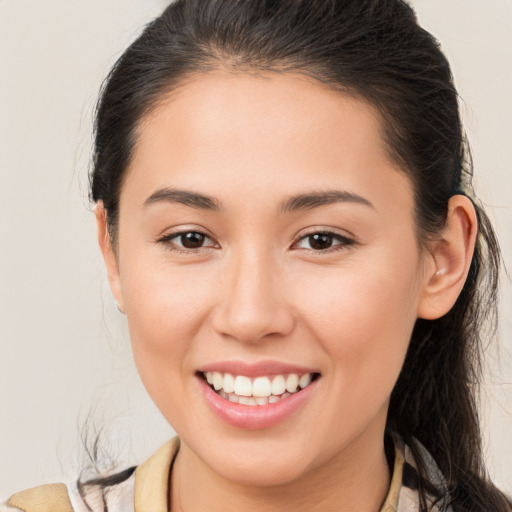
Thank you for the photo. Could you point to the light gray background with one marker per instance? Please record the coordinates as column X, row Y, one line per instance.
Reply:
column 64, row 348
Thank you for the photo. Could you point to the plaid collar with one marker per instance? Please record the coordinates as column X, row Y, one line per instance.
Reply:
column 147, row 489
column 402, row 495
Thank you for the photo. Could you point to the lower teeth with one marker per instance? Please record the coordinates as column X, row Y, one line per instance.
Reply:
column 251, row 400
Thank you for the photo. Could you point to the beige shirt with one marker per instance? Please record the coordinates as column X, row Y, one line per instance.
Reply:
column 147, row 488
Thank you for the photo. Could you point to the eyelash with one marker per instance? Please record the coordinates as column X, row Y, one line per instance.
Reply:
column 343, row 241
column 167, row 240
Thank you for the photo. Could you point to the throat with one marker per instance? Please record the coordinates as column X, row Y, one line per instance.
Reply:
column 339, row 487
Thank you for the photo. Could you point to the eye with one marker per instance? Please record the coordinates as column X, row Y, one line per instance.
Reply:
column 185, row 241
column 323, row 241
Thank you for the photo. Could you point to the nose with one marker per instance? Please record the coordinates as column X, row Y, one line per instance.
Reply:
column 252, row 302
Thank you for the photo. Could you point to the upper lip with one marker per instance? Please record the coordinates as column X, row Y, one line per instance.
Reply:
column 267, row 367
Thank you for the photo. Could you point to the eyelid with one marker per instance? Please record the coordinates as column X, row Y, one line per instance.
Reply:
column 167, row 239
column 345, row 238
column 313, row 230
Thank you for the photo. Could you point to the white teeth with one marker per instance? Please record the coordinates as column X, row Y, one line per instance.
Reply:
column 278, row 385
column 260, row 391
column 217, row 380
column 229, row 383
column 261, row 387
column 305, row 380
column 243, row 386
column 292, row 381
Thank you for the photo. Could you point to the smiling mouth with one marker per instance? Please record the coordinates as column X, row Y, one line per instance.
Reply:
column 262, row 390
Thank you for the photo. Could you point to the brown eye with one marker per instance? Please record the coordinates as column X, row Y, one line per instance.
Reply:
column 324, row 242
column 187, row 241
column 320, row 241
column 192, row 240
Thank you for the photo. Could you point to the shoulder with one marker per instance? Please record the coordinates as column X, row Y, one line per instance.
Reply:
column 121, row 492
column 45, row 498
column 73, row 498
column 437, row 495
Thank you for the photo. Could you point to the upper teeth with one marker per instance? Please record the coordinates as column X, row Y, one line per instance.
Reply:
column 260, row 386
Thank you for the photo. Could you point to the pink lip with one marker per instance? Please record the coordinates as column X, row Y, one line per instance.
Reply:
column 252, row 417
column 255, row 369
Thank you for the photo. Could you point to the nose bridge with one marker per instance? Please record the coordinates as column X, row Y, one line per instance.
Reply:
column 253, row 303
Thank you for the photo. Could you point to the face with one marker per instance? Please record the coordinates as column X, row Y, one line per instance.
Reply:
column 265, row 238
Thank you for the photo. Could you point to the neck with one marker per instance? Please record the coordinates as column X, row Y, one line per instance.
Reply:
column 356, row 479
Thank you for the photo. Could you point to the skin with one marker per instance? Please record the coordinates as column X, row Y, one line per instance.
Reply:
column 257, row 291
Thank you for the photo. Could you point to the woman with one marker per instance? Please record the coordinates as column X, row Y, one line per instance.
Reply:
column 284, row 205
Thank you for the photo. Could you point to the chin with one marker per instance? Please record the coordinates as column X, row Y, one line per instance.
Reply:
column 263, row 466
column 271, row 473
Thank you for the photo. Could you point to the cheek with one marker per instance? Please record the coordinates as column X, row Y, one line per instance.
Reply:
column 363, row 315
column 165, row 310
column 164, row 301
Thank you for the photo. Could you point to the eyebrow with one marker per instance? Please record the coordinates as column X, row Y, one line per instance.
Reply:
column 295, row 203
column 186, row 197
column 322, row 198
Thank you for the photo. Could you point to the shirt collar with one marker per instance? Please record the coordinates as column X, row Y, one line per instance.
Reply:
column 152, row 479
column 153, row 476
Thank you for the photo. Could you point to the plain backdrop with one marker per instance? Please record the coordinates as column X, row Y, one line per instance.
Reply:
column 64, row 349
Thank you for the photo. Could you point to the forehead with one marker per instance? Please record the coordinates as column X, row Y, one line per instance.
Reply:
column 260, row 134
column 221, row 107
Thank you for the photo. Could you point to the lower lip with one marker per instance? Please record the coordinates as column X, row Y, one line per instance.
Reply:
column 254, row 417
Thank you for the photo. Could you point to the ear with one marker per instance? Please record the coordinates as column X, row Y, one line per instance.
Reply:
column 449, row 259
column 109, row 254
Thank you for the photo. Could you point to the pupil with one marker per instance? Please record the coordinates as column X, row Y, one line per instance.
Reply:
column 192, row 240
column 319, row 241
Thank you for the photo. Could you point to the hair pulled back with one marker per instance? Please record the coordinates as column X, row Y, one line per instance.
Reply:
column 373, row 49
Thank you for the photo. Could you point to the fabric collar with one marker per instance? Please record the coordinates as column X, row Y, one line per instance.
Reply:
column 152, row 480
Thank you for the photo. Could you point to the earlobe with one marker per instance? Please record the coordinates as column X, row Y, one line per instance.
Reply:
column 109, row 254
column 450, row 258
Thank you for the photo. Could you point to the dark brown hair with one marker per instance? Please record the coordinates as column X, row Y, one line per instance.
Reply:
column 376, row 50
